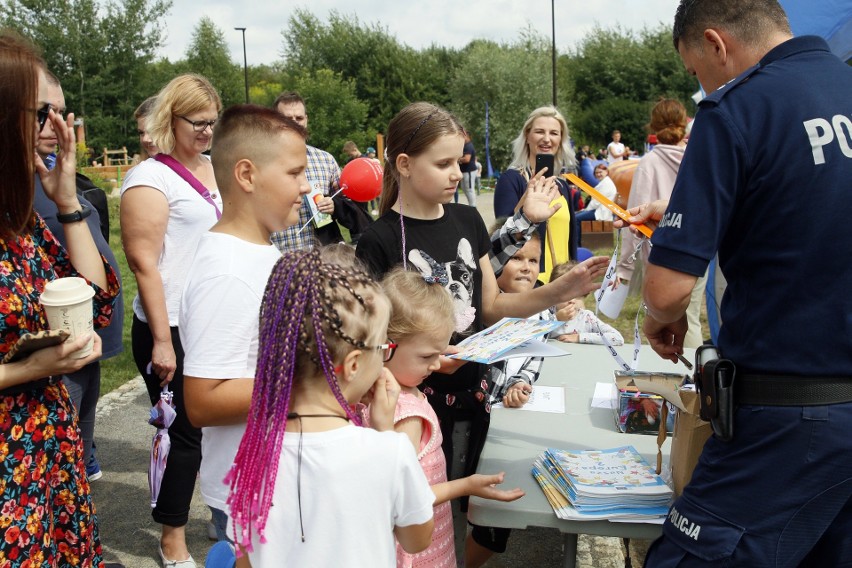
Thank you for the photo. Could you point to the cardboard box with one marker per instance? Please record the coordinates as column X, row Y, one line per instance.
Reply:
column 631, row 413
column 690, row 432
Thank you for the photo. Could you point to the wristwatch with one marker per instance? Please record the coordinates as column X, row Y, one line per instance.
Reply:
column 76, row 216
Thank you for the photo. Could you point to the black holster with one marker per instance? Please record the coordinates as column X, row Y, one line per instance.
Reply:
column 714, row 379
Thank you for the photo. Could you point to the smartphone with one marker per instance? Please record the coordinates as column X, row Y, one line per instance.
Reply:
column 30, row 342
column 544, row 161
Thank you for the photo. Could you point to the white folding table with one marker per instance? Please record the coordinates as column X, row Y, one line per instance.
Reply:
column 516, row 437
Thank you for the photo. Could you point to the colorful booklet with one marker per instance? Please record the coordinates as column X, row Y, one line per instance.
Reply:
column 311, row 199
column 510, row 337
column 616, row 483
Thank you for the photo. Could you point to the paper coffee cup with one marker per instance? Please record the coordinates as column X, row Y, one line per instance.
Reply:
column 68, row 305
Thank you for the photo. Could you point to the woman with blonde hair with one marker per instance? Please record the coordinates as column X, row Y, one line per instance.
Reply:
column 544, row 132
column 654, row 179
column 167, row 203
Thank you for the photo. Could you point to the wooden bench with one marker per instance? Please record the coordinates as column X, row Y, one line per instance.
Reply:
column 597, row 234
column 112, row 174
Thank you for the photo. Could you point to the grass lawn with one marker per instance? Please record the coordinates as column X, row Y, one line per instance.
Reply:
column 121, row 368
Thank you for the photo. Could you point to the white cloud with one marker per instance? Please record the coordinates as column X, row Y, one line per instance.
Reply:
column 450, row 23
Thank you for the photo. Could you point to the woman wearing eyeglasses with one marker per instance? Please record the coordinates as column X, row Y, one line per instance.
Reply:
column 167, row 203
column 48, row 518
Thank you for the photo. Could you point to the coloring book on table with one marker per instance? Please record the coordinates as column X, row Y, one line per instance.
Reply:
column 509, row 337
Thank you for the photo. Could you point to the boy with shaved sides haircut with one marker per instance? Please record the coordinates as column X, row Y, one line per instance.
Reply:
column 259, row 160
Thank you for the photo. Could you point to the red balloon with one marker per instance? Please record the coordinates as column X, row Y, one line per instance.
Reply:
column 361, row 179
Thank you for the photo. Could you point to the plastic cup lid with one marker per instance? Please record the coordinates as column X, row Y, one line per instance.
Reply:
column 66, row 291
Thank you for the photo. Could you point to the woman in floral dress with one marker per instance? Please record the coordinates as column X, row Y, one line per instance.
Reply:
column 46, row 512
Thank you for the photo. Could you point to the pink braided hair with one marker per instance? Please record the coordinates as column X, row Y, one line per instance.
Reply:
column 299, row 307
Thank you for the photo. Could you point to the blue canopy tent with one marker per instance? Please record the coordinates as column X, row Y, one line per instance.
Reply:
column 831, row 20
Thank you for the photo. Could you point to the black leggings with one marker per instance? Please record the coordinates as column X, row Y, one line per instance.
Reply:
column 185, row 455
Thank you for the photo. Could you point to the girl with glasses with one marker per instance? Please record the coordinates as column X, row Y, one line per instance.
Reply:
column 167, row 203
column 308, row 485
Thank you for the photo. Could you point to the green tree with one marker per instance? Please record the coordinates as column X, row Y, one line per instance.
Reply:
column 99, row 51
column 387, row 75
column 513, row 79
column 157, row 74
column 208, row 55
column 265, row 83
column 614, row 77
column 335, row 114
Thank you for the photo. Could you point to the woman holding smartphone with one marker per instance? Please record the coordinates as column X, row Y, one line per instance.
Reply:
column 545, row 132
column 50, row 519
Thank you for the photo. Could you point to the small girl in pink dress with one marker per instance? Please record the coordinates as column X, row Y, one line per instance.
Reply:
column 422, row 320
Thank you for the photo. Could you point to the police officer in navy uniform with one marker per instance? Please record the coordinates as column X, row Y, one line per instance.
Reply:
column 776, row 125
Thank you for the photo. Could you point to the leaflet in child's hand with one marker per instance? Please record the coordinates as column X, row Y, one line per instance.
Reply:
column 311, row 199
column 510, row 337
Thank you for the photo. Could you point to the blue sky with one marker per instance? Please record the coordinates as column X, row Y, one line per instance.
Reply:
column 417, row 23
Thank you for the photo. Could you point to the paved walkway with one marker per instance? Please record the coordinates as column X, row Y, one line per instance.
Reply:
column 130, row 536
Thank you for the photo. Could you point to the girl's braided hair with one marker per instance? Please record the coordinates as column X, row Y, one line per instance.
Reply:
column 313, row 313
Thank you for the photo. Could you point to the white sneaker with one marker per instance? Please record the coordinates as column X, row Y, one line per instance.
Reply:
column 188, row 563
column 211, row 531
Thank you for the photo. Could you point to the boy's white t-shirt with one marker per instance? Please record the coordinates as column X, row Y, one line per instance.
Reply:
column 614, row 148
column 190, row 216
column 219, row 333
column 357, row 484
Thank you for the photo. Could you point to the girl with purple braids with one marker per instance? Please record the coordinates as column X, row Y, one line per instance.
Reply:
column 308, row 483
column 421, row 228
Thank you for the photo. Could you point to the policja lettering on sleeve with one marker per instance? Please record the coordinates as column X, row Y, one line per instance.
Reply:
column 684, row 525
column 671, row 219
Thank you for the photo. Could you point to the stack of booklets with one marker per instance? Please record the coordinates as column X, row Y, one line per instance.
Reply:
column 615, row 484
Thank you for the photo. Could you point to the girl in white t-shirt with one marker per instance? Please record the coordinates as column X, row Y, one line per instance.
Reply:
column 328, row 492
